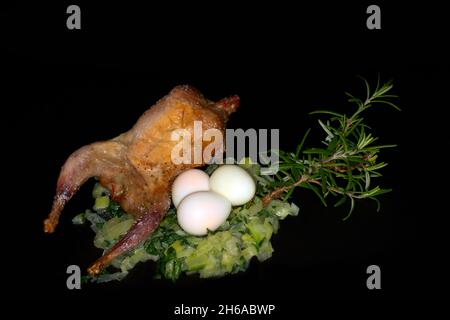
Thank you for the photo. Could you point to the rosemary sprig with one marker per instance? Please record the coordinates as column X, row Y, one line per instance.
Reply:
column 347, row 163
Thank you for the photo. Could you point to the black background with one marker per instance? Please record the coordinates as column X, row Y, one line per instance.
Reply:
column 63, row 89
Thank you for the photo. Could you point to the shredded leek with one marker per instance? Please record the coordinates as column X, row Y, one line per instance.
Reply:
column 245, row 235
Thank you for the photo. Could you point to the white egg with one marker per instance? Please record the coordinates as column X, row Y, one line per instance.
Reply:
column 234, row 183
column 189, row 181
column 202, row 211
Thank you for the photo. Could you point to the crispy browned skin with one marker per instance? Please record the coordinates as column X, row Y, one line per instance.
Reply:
column 136, row 166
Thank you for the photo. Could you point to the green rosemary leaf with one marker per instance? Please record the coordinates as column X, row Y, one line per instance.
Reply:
column 300, row 146
column 377, row 202
column 388, row 103
column 341, row 201
column 315, row 151
column 327, row 112
column 352, row 207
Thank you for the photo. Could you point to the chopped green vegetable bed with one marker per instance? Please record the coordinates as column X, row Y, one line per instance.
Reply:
column 247, row 233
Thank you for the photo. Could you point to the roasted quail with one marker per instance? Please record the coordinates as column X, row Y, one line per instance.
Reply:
column 136, row 166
